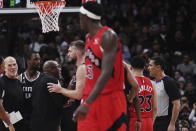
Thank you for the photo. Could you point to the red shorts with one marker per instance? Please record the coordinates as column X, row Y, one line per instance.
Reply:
column 146, row 124
column 106, row 109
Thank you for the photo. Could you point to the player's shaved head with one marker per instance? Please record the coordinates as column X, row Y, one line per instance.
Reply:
column 52, row 68
column 49, row 65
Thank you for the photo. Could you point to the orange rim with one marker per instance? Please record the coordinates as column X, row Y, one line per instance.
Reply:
column 47, row 6
column 50, row 2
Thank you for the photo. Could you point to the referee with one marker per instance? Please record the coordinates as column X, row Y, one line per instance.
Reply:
column 168, row 96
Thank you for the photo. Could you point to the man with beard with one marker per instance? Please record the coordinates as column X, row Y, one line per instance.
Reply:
column 28, row 79
column 47, row 107
column 10, row 95
column 75, row 87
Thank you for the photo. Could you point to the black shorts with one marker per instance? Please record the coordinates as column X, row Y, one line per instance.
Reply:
column 161, row 123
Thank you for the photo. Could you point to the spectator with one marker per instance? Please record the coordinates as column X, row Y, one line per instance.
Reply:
column 49, row 52
column 185, row 109
column 36, row 45
column 190, row 92
column 187, row 67
column 180, row 80
column 185, row 128
column 63, row 49
column 179, row 76
column 192, row 116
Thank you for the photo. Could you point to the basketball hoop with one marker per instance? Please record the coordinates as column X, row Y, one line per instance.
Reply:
column 49, row 12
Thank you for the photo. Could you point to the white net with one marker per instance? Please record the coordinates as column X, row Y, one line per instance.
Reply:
column 49, row 12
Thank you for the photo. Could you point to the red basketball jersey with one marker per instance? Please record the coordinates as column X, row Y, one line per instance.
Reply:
column 93, row 61
column 145, row 97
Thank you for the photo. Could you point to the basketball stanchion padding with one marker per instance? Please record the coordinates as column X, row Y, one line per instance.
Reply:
column 49, row 12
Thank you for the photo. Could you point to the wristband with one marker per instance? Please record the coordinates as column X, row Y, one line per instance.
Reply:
column 86, row 104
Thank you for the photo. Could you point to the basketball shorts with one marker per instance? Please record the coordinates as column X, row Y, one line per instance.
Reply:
column 147, row 123
column 107, row 113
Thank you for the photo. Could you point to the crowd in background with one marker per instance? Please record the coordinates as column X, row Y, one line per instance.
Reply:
column 146, row 27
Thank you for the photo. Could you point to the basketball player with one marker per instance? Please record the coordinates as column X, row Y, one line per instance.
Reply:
column 47, row 107
column 146, row 96
column 130, row 79
column 28, row 79
column 103, row 103
column 131, row 90
column 75, row 87
column 168, row 106
column 11, row 96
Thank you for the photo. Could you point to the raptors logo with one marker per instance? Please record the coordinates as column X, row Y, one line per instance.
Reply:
column 95, row 60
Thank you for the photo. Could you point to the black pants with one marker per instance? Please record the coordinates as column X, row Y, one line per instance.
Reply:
column 67, row 124
column 161, row 123
column 19, row 126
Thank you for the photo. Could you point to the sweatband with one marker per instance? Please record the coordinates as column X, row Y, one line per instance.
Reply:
column 89, row 14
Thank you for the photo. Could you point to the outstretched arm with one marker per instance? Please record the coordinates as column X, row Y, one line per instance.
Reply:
column 74, row 94
column 80, row 82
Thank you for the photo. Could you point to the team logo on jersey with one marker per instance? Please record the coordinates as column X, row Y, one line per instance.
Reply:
column 93, row 58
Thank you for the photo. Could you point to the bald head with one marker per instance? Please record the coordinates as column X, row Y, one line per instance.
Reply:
column 10, row 67
column 9, row 58
column 52, row 68
column 48, row 64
